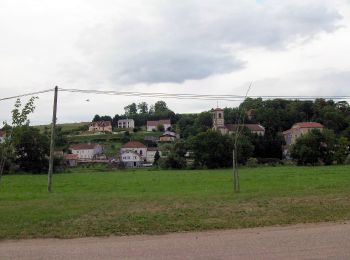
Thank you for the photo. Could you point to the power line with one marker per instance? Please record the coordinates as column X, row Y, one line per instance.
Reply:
column 226, row 97
column 181, row 96
column 27, row 94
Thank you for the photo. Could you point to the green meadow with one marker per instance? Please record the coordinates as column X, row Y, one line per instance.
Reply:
column 123, row 202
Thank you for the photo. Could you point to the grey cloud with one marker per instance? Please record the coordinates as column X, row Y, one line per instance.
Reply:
column 195, row 39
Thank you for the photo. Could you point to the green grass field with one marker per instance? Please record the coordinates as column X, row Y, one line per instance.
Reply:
column 65, row 126
column 137, row 202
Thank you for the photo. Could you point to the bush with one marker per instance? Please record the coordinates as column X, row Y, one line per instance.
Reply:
column 347, row 160
column 252, row 162
column 269, row 161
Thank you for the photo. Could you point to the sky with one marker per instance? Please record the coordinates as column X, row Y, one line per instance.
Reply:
column 290, row 47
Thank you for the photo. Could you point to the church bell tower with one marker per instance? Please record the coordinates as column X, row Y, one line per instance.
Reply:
column 218, row 118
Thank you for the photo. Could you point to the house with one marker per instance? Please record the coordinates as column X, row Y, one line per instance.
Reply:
column 152, row 125
column 131, row 159
column 126, row 123
column 71, row 159
column 151, row 138
column 100, row 126
column 151, row 152
column 135, row 146
column 2, row 136
column 86, row 151
column 297, row 130
column 135, row 154
column 219, row 124
column 167, row 136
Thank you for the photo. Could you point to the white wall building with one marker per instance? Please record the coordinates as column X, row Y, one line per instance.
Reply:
column 152, row 125
column 151, row 152
column 131, row 159
column 86, row 151
column 126, row 123
column 137, row 147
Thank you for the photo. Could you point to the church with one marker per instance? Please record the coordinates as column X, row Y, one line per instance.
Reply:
column 219, row 124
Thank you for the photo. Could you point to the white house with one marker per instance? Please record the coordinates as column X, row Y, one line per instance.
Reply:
column 131, row 159
column 2, row 137
column 86, row 151
column 126, row 123
column 152, row 125
column 136, row 147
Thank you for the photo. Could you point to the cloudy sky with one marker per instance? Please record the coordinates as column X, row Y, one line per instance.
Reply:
column 290, row 47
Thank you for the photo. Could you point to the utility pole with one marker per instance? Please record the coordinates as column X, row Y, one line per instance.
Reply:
column 234, row 170
column 52, row 143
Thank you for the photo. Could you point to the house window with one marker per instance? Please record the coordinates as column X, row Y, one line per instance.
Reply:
column 140, row 152
column 219, row 115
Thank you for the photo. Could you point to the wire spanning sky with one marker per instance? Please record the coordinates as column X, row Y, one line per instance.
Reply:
column 286, row 48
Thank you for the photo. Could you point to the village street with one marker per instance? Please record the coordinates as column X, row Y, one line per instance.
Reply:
column 304, row 241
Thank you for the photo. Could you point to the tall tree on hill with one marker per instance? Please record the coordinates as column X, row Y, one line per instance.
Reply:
column 143, row 107
column 160, row 107
column 96, row 118
column 130, row 110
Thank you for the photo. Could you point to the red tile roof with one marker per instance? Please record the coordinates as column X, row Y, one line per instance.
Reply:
column 83, row 146
column 134, row 144
column 70, row 156
column 158, row 122
column 308, row 125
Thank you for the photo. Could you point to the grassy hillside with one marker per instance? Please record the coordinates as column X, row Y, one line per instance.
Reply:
column 90, row 203
column 67, row 127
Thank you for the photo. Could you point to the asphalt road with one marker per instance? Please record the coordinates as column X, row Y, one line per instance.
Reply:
column 310, row 241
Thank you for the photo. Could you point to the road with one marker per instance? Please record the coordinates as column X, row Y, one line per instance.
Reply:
column 309, row 241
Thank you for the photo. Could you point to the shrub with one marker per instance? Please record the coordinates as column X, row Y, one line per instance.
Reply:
column 347, row 160
column 252, row 162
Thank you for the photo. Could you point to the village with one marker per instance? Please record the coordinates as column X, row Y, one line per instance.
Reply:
column 134, row 154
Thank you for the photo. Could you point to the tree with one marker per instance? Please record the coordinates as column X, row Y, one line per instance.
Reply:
column 160, row 107
column 212, row 149
column 31, row 148
column 160, row 128
column 156, row 158
column 143, row 107
column 19, row 119
column 130, row 110
column 315, row 147
column 96, row 118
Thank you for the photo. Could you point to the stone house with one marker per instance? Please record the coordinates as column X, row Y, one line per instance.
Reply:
column 86, row 151
column 100, row 126
column 298, row 130
column 168, row 136
column 152, row 125
column 126, row 123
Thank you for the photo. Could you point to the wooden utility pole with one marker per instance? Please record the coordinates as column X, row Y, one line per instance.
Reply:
column 234, row 170
column 52, row 143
